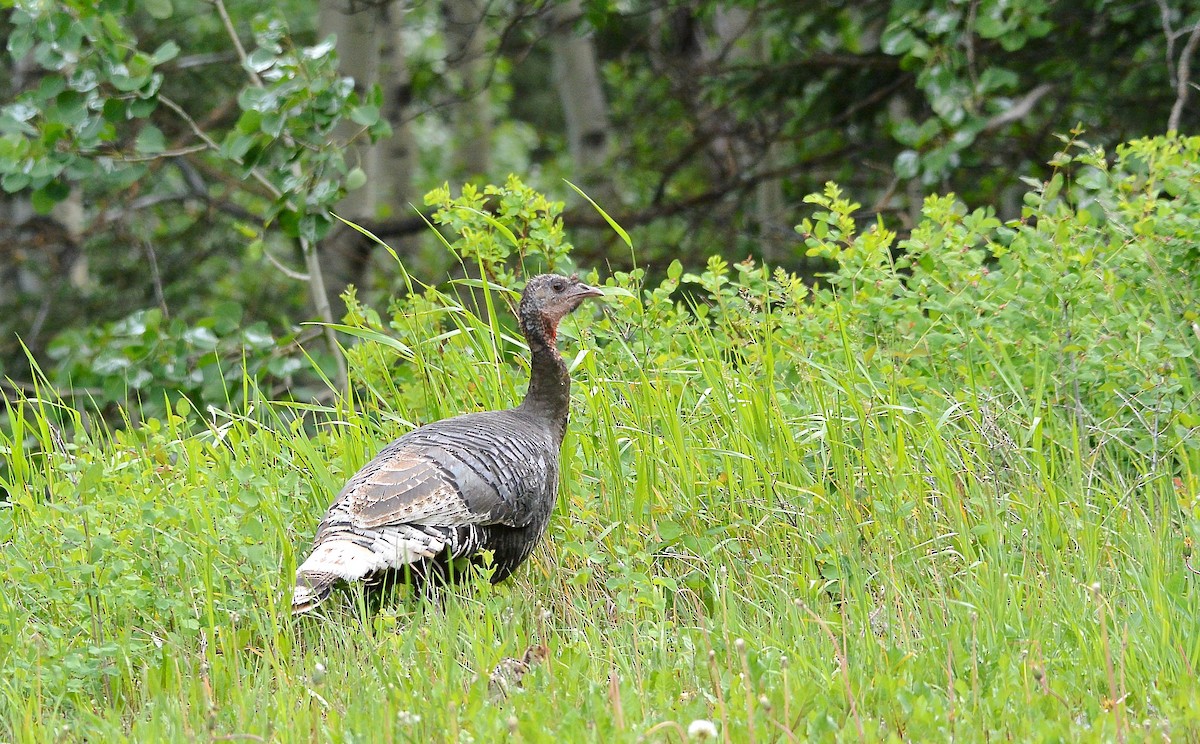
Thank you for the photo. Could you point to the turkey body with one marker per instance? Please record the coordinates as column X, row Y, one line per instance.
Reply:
column 456, row 488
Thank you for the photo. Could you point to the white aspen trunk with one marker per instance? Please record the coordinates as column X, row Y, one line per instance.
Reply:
column 577, row 80
column 464, row 29
column 773, row 228
column 737, row 39
column 398, row 154
column 361, row 30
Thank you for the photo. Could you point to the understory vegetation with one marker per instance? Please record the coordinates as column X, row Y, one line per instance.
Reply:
column 949, row 490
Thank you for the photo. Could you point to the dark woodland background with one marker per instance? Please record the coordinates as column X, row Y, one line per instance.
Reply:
column 169, row 167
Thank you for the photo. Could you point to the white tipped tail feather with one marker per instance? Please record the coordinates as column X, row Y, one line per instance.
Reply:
column 353, row 557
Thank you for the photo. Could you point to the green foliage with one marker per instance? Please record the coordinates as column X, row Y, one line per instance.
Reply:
column 288, row 122
column 501, row 225
column 722, row 119
column 102, row 89
column 150, row 362
column 1086, row 304
column 109, row 120
column 863, row 511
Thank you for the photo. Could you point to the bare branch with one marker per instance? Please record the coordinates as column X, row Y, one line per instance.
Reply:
column 173, row 153
column 1164, row 12
column 203, row 136
column 1018, row 110
column 289, row 273
column 156, row 278
column 237, row 42
column 1182, row 78
column 117, row 214
column 202, row 60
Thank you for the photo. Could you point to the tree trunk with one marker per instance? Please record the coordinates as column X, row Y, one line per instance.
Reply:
column 738, row 40
column 577, row 79
column 774, row 232
column 369, row 50
column 463, row 26
column 396, row 155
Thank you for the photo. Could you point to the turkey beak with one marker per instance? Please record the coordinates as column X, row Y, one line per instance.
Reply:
column 583, row 291
column 575, row 297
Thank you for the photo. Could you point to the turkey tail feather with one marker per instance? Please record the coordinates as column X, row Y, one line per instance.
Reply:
column 311, row 590
column 347, row 559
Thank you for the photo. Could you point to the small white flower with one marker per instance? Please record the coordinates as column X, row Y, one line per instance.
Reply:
column 407, row 719
column 702, row 729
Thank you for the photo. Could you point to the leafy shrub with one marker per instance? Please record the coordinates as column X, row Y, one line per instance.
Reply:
column 143, row 362
column 1083, row 309
column 1087, row 305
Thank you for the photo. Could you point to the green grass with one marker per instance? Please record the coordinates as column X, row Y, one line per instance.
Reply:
column 952, row 499
column 781, row 548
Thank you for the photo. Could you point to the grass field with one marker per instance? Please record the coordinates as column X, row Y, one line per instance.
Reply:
column 769, row 520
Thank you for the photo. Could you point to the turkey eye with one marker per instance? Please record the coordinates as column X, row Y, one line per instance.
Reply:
column 559, row 286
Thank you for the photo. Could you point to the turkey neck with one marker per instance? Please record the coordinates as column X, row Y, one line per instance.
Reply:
column 549, row 393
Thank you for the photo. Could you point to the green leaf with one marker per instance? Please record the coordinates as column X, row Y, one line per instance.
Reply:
column 49, row 195
column 897, row 40
column 611, row 222
column 150, row 141
column 497, row 224
column 364, row 115
column 201, row 338
column 166, row 52
column 368, row 334
column 159, row 9
column 14, row 181
column 261, row 60
column 355, row 179
column 50, row 86
column 114, row 111
column 227, row 316
column 20, row 41
column 907, row 165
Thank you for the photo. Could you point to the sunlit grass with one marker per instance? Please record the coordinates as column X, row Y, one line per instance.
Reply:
column 789, row 549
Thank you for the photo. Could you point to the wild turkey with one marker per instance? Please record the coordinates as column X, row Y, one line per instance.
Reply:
column 457, row 487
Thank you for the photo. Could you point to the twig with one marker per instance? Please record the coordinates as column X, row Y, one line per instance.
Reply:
column 1018, row 110
column 173, row 153
column 237, row 42
column 316, row 287
column 614, row 698
column 748, row 684
column 1183, row 78
column 1115, row 700
column 201, row 60
column 254, row 173
column 1039, row 675
column 35, row 330
column 299, row 276
column 786, row 731
column 667, row 725
column 1164, row 13
column 951, row 700
column 156, row 278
